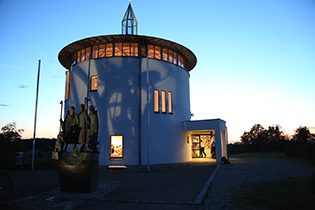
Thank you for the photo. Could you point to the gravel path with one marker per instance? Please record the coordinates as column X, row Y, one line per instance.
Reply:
column 250, row 170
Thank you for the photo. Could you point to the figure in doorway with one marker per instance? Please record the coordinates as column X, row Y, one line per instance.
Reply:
column 213, row 149
column 202, row 149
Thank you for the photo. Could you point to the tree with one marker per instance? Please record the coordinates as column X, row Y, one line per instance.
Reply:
column 303, row 134
column 10, row 138
column 274, row 133
column 255, row 137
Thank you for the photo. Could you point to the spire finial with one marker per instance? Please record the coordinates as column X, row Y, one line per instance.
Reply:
column 129, row 24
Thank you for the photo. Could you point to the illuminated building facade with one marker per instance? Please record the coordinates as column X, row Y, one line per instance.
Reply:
column 139, row 86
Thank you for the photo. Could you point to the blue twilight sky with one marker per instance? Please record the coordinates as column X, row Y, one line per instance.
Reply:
column 255, row 59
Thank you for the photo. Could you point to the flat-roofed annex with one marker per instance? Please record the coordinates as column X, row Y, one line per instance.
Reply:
column 65, row 55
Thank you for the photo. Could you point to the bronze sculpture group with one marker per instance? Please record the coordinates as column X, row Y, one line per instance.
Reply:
column 80, row 128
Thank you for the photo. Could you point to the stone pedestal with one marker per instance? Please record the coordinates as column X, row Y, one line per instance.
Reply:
column 78, row 171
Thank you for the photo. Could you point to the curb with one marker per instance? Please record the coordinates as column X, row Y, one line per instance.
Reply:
column 206, row 187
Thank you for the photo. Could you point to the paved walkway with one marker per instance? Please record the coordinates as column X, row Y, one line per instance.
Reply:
column 170, row 186
column 174, row 185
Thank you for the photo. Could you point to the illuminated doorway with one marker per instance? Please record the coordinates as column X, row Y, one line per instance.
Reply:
column 199, row 139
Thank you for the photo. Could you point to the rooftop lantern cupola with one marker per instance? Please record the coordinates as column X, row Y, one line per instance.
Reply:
column 129, row 24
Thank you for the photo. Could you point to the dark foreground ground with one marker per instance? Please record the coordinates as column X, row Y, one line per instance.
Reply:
column 179, row 186
column 171, row 186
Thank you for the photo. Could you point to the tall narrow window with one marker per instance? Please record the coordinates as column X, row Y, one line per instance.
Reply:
column 68, row 85
column 88, row 53
column 157, row 52
column 102, row 50
column 134, row 49
column 78, row 56
column 165, row 54
column 179, row 60
column 163, row 101
column 83, row 55
column 118, row 49
column 151, row 51
column 116, row 145
column 170, row 103
column 170, row 56
column 143, row 51
column 94, row 83
column 156, row 101
column 174, row 58
column 126, row 49
column 95, row 51
column 109, row 50
column 73, row 58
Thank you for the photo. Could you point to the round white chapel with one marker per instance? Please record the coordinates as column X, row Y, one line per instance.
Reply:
column 139, row 86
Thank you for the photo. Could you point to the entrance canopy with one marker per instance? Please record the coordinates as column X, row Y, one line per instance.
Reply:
column 220, row 131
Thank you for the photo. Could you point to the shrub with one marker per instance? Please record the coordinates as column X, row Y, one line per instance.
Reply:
column 274, row 146
column 288, row 150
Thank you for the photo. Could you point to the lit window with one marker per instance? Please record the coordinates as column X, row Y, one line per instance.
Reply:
column 87, row 53
column 165, row 54
column 134, row 49
column 118, row 49
column 109, row 50
column 163, row 101
column 183, row 63
column 78, row 56
column 83, row 55
column 95, row 51
column 157, row 52
column 180, row 61
column 174, row 58
column 156, row 101
column 94, row 83
column 143, row 51
column 126, row 49
column 151, row 51
column 68, row 85
column 73, row 60
column 170, row 56
column 116, row 144
column 170, row 103
column 102, row 51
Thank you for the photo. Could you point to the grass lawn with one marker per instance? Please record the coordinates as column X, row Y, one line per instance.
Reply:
column 259, row 154
column 294, row 193
column 270, row 155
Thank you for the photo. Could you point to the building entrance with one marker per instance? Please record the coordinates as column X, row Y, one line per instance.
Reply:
column 201, row 140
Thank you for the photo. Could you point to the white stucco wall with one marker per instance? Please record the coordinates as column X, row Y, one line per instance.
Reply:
column 116, row 101
column 121, row 102
column 167, row 139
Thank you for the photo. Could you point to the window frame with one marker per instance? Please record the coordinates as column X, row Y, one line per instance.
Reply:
column 95, row 51
column 68, row 85
column 94, row 83
column 170, row 102
column 163, row 102
column 156, row 101
column 128, row 49
column 122, row 145
column 101, row 51
column 109, row 50
column 118, row 49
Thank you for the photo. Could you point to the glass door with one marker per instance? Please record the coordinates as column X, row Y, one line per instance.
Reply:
column 195, row 146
